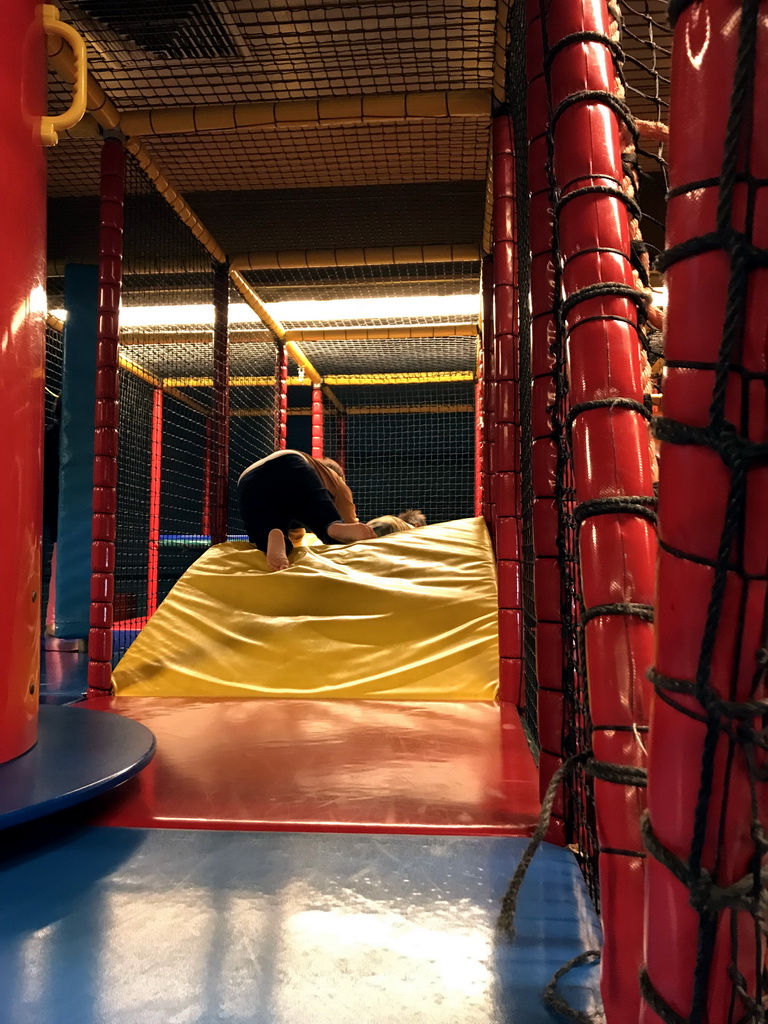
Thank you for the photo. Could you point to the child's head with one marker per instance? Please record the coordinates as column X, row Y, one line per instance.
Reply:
column 414, row 517
column 384, row 525
column 333, row 466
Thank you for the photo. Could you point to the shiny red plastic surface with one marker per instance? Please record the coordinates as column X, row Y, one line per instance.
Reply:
column 22, row 307
column 105, row 441
column 504, row 454
column 317, row 421
column 548, row 598
column 281, row 400
column 360, row 766
column 694, row 486
column 610, row 458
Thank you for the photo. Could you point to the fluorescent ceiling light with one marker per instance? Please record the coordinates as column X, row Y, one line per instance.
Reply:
column 312, row 311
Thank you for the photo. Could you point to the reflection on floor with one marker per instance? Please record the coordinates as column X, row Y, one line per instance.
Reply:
column 127, row 926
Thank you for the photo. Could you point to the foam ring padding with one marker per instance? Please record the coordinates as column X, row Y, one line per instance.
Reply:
column 79, row 754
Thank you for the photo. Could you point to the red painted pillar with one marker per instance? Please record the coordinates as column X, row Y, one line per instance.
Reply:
column 281, row 397
column 613, row 482
column 106, row 418
column 546, row 432
column 707, row 799
column 22, row 346
column 479, row 441
column 317, row 421
column 219, row 503
column 155, row 476
column 505, row 451
column 205, row 518
column 488, row 348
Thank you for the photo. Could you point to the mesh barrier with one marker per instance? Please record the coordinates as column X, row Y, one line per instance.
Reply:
column 252, row 393
column 168, row 437
column 54, row 369
column 410, row 446
column 399, row 415
column 366, row 282
column 707, row 797
column 327, row 157
column 188, row 52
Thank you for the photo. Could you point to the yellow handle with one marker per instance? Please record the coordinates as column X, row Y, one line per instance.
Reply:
column 51, row 126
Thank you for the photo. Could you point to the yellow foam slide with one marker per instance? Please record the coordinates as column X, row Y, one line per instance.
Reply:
column 410, row 616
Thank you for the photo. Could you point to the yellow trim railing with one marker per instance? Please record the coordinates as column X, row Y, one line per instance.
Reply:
column 50, row 126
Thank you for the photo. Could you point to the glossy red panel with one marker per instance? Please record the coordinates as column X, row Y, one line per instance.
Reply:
column 356, row 766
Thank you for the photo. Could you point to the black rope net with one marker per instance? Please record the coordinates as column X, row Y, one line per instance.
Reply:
column 640, row 93
column 711, row 711
column 399, row 416
column 167, row 431
column 186, row 52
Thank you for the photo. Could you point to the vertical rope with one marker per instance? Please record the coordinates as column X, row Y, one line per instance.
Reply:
column 104, row 527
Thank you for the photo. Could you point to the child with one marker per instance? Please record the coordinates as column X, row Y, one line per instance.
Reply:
column 414, row 517
column 385, row 525
column 289, row 489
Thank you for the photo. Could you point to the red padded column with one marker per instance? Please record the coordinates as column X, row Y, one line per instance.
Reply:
column 546, row 434
column 107, row 418
column 488, row 343
column 281, row 397
column 155, row 476
column 505, row 450
column 317, row 422
column 22, row 348
column 611, row 458
column 479, row 439
column 707, row 765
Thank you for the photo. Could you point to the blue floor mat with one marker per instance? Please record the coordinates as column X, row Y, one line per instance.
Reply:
column 122, row 926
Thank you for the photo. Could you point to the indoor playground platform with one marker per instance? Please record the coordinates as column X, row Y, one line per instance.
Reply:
column 296, row 856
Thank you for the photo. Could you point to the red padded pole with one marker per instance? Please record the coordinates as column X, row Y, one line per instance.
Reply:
column 611, row 458
column 281, row 397
column 219, row 504
column 317, row 422
column 104, row 528
column 505, row 449
column 707, row 805
column 22, row 354
column 488, row 343
column 479, row 441
column 155, row 476
column 545, row 437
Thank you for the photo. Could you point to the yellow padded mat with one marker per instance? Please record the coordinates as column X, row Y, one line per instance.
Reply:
column 411, row 616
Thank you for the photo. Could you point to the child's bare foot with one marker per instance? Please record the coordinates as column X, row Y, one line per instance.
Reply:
column 277, row 558
column 347, row 532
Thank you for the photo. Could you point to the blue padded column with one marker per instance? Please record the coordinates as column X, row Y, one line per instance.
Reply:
column 78, row 398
